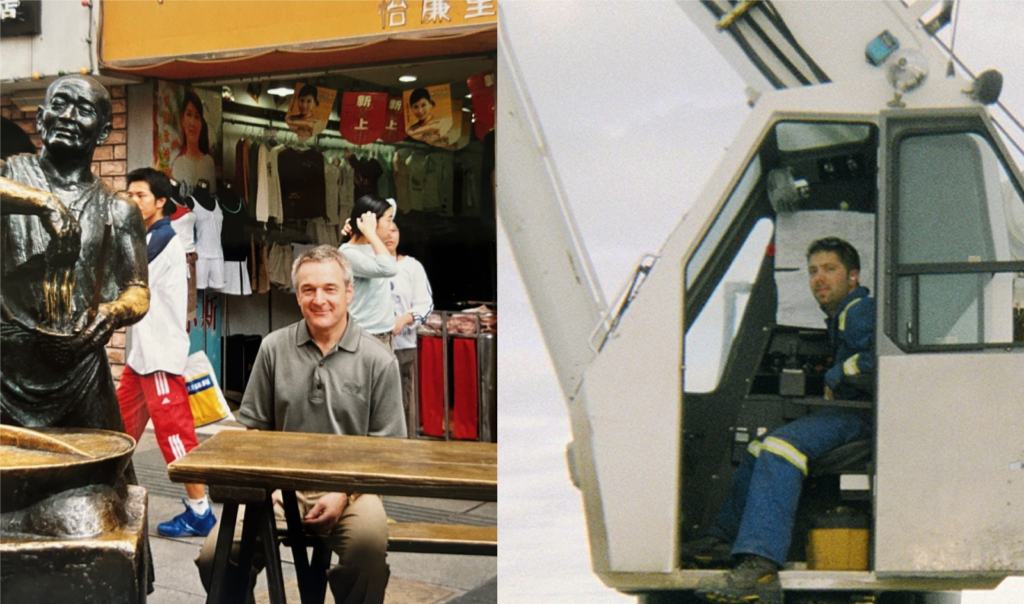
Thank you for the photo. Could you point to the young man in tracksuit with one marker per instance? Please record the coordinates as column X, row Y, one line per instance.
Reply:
column 153, row 384
column 757, row 518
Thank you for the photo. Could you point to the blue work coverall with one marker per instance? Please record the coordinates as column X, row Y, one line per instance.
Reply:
column 759, row 514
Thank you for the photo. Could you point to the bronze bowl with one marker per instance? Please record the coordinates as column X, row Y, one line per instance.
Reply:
column 31, row 473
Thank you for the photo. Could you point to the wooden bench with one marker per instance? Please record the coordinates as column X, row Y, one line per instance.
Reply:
column 411, row 537
column 442, row 539
column 420, row 537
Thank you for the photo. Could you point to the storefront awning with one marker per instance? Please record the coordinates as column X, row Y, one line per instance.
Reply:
column 189, row 40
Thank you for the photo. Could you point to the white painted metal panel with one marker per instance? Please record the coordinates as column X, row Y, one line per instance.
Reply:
column 950, row 485
column 834, row 34
column 559, row 278
column 17, row 57
column 62, row 46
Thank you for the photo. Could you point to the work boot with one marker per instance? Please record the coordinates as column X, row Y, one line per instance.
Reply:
column 707, row 552
column 754, row 579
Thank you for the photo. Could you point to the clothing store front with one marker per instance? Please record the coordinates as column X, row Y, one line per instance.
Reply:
column 274, row 126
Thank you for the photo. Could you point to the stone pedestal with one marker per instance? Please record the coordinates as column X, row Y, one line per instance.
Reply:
column 108, row 567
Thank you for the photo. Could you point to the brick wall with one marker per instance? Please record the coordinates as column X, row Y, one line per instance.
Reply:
column 108, row 163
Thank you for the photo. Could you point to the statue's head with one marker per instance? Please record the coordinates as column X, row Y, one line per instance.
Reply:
column 75, row 117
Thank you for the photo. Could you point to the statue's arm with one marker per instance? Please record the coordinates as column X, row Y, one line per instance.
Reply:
column 129, row 307
column 127, row 258
column 16, row 198
column 133, row 268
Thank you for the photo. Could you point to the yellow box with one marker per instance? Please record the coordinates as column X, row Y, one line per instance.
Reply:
column 838, row 549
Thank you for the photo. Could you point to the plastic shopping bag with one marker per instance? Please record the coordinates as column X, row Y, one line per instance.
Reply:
column 204, row 393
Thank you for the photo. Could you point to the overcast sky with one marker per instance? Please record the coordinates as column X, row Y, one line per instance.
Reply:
column 637, row 108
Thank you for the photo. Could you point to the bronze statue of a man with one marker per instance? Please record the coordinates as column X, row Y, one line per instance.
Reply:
column 66, row 286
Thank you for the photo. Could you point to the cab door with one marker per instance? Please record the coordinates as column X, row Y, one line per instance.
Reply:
column 950, row 460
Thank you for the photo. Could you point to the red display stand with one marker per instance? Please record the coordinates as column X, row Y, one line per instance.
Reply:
column 431, row 390
column 456, row 376
column 465, row 389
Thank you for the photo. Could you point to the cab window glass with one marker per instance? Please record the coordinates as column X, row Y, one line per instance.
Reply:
column 751, row 177
column 801, row 136
column 960, row 241
column 709, row 339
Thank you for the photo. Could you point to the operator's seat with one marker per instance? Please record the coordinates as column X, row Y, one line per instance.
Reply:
column 852, row 458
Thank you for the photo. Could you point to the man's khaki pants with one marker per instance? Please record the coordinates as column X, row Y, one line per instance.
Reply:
column 360, row 539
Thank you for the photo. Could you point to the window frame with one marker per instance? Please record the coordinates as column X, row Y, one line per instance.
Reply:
column 897, row 126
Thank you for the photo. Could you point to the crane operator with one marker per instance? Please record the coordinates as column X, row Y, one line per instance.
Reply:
column 754, row 528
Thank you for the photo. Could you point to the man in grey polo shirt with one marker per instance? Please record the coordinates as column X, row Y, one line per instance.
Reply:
column 324, row 374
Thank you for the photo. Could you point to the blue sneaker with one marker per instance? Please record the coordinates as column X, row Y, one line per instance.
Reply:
column 188, row 523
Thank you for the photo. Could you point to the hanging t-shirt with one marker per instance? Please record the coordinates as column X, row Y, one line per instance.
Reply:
column 322, row 233
column 346, row 191
column 401, row 175
column 470, row 196
column 417, row 164
column 432, row 184
column 240, row 166
column 252, row 156
column 280, row 265
column 445, row 163
column 385, row 184
column 263, row 184
column 368, row 171
column 332, row 196
column 301, row 175
column 275, row 208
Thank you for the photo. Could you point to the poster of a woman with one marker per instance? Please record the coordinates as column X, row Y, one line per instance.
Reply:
column 429, row 114
column 309, row 110
column 187, row 145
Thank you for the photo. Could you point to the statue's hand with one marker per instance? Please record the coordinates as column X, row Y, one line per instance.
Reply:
column 65, row 233
column 98, row 331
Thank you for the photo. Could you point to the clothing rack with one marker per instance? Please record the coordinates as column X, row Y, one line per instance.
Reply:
column 328, row 133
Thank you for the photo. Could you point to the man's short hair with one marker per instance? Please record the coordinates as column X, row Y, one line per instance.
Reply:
column 159, row 185
column 104, row 106
column 846, row 253
column 322, row 253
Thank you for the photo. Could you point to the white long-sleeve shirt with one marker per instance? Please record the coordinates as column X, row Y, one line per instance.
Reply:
column 411, row 292
column 372, row 307
column 159, row 341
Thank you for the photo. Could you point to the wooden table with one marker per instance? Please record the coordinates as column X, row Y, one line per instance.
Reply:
column 246, row 466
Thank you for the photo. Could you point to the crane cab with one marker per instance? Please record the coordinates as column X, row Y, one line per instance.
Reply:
column 936, row 215
column 936, row 211
column 717, row 340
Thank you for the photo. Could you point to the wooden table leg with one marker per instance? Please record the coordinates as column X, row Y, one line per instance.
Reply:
column 268, row 534
column 225, row 537
column 311, row 588
column 242, row 581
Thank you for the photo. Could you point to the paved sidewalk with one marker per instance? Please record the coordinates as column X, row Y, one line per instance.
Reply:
column 415, row 578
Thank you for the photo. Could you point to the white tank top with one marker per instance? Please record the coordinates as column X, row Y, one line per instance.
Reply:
column 208, row 226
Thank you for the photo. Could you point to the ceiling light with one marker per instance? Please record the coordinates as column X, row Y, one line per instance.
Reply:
column 280, row 90
column 407, row 78
column 469, row 95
